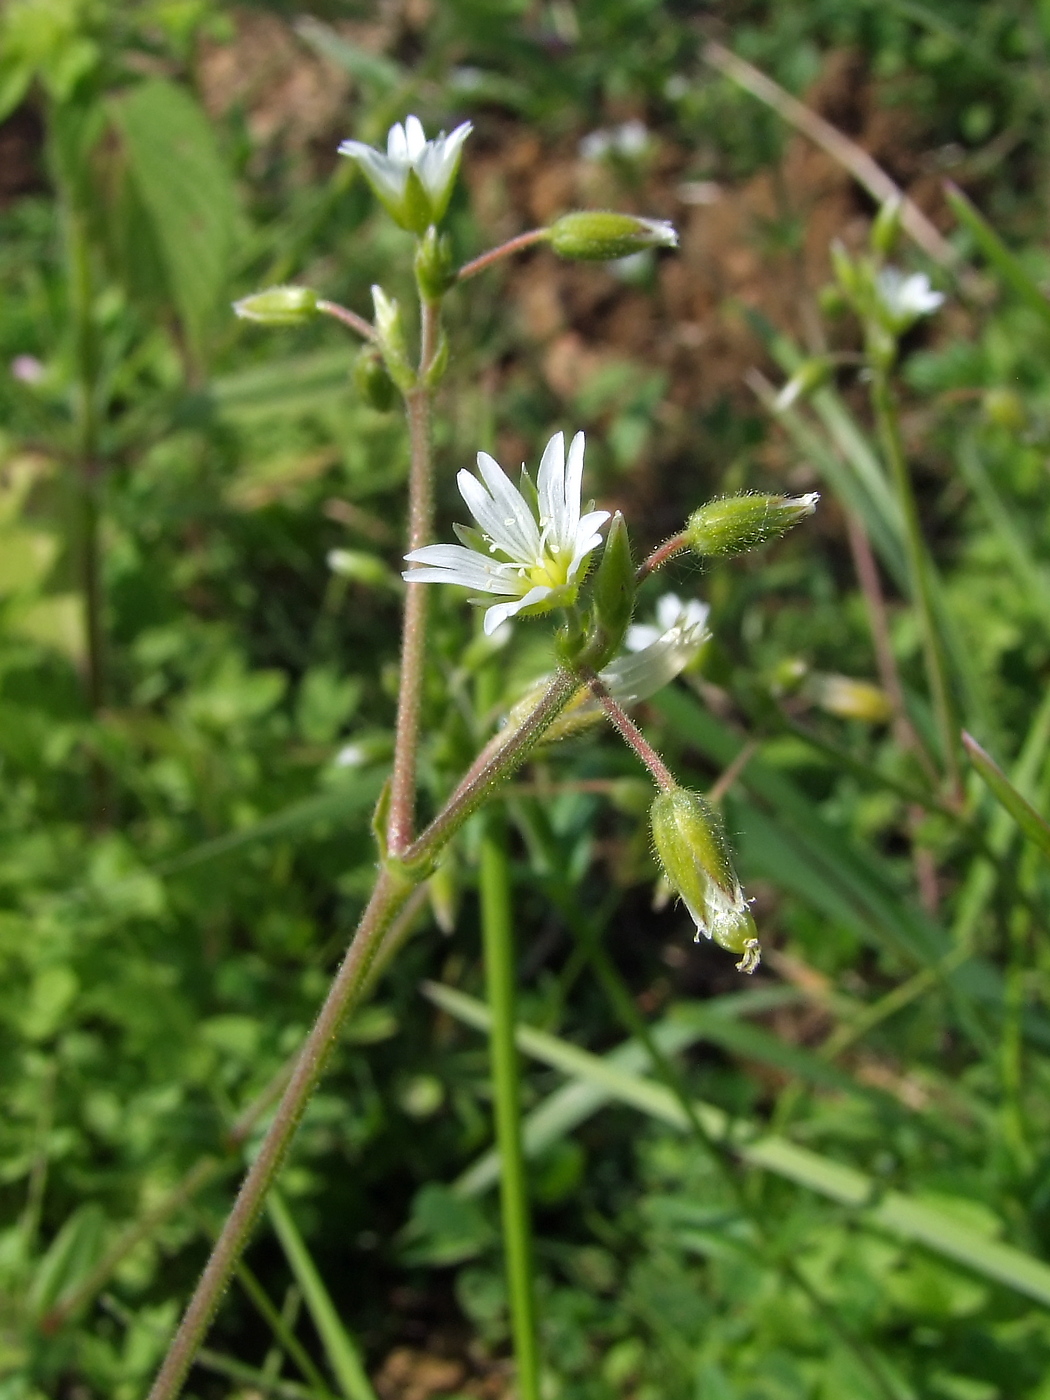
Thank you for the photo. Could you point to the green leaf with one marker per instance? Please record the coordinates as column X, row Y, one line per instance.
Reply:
column 340, row 1348
column 1024, row 814
column 187, row 192
column 76, row 1247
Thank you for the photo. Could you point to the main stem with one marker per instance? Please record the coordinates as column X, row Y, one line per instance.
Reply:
column 498, row 938
column 919, row 570
column 401, row 821
column 388, row 898
column 391, row 894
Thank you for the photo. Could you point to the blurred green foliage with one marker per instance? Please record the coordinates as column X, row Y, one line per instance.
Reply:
column 182, row 861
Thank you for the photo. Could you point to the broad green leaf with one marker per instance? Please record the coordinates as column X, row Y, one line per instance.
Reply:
column 72, row 1252
column 1024, row 814
column 912, row 1219
column 187, row 192
column 343, row 1355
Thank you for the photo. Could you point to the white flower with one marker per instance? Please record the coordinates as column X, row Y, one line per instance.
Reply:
column 531, row 556
column 672, row 614
column 905, row 297
column 413, row 180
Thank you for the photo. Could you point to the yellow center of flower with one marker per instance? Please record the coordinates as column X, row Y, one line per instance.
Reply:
column 553, row 572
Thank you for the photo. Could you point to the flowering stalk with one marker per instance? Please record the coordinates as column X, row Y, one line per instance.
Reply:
column 414, row 624
column 630, row 733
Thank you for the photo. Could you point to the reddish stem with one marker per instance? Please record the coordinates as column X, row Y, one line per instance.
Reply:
column 660, row 556
column 505, row 250
column 349, row 318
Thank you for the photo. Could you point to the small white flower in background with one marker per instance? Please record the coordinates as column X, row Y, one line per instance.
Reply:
column 629, row 141
column 530, row 555
column 904, row 297
column 672, row 614
column 413, row 180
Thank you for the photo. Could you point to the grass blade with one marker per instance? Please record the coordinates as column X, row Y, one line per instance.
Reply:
column 1009, row 268
column 895, row 1212
column 1024, row 814
column 340, row 1349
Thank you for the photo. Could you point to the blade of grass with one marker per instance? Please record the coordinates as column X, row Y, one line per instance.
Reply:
column 340, row 1349
column 1024, row 814
column 894, row 1211
column 248, row 1375
column 500, row 977
column 1009, row 268
column 573, row 1104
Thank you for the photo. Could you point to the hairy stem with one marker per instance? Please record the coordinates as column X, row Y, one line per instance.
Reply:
column 631, row 734
column 401, row 821
column 660, row 556
column 348, row 318
column 499, row 763
column 505, row 250
column 498, row 938
column 388, row 898
column 919, row 571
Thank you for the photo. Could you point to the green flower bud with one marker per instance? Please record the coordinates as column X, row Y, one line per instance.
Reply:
column 278, row 306
column 612, row 595
column 601, row 236
column 434, row 270
column 850, row 275
column 886, row 228
column 373, row 380
column 739, row 523
column 390, row 334
column 692, row 849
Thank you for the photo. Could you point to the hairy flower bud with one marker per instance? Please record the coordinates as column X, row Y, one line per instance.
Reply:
column 390, row 334
column 601, row 237
column 692, row 849
column 434, row 270
column 735, row 524
column 612, row 595
column 373, row 381
column 278, row 306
